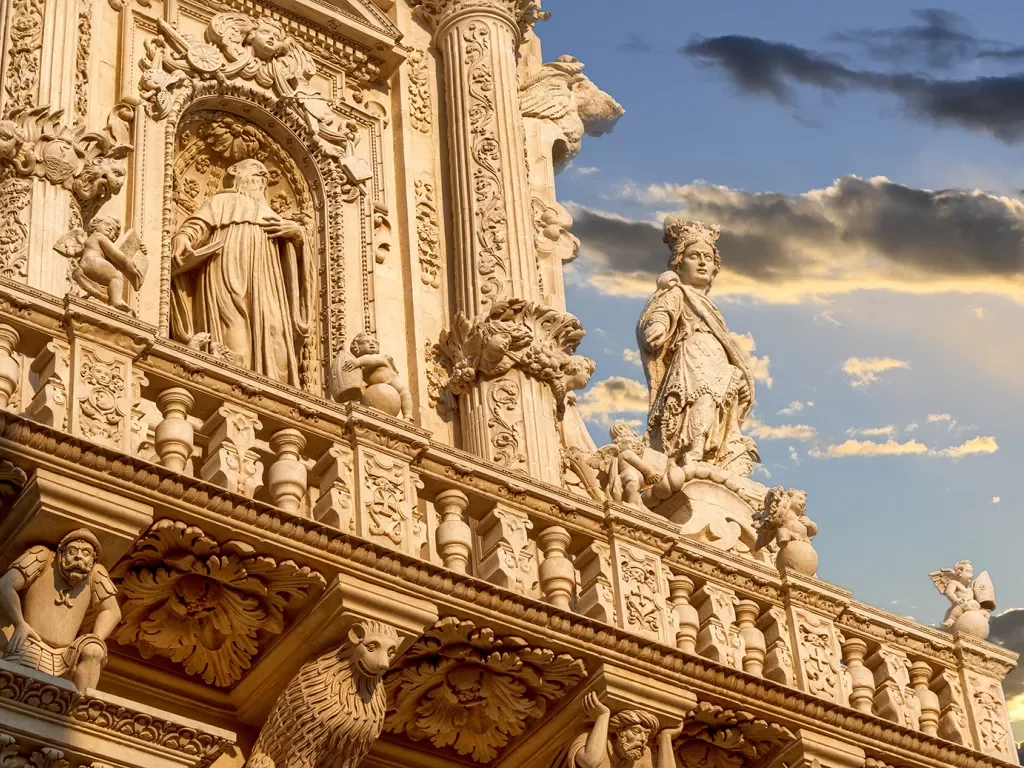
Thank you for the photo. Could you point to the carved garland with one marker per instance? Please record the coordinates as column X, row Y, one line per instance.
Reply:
column 465, row 688
column 26, row 42
column 420, row 107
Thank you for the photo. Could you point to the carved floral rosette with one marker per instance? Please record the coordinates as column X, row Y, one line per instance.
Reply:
column 204, row 604
column 535, row 339
column 468, row 689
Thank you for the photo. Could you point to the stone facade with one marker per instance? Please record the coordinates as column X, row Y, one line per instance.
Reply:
column 291, row 471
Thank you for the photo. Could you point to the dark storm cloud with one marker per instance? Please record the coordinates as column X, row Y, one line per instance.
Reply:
column 993, row 105
column 635, row 44
column 940, row 40
column 773, row 236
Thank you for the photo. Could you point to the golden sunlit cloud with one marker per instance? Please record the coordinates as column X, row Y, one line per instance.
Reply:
column 869, row 448
column 864, row 371
column 611, row 397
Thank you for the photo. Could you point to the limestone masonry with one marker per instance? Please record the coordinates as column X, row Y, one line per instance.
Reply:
column 292, row 473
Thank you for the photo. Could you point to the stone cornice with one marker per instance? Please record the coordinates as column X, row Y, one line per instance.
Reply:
column 441, row 13
column 34, row 444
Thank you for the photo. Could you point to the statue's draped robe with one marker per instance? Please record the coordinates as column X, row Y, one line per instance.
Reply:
column 254, row 296
column 698, row 358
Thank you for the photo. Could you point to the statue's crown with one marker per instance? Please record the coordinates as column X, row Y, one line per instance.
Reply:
column 680, row 234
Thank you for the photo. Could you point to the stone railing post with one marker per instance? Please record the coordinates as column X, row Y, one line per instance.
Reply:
column 10, row 364
column 982, row 667
column 334, row 504
column 507, row 419
column 231, row 460
column 175, row 436
column 286, row 477
column 891, row 669
column 680, row 590
column 453, row 535
column 507, row 554
column 597, row 595
column 557, row 574
column 862, row 680
column 778, row 660
column 812, row 606
column 928, row 702
column 754, row 648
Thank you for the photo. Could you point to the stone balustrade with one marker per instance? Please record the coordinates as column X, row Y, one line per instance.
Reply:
column 111, row 380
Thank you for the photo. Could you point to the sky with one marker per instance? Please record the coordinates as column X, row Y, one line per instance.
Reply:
column 865, row 162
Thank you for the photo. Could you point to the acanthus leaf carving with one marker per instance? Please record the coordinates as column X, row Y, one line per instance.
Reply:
column 713, row 737
column 428, row 233
column 474, row 691
column 204, row 604
column 538, row 340
column 420, row 106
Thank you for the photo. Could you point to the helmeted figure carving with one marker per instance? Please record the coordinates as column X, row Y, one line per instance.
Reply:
column 560, row 92
column 333, row 710
column 700, row 383
column 45, row 596
column 971, row 600
column 243, row 275
column 619, row 741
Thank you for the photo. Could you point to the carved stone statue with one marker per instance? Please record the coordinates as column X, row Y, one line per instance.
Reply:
column 102, row 261
column 701, row 386
column 45, row 596
column 785, row 522
column 242, row 274
column 620, row 741
column 333, row 710
column 367, row 375
column 971, row 600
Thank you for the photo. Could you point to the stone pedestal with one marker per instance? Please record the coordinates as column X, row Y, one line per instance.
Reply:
column 812, row 607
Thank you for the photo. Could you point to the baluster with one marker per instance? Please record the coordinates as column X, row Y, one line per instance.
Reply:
column 680, row 589
column 174, row 436
column 454, row 537
column 920, row 677
column 286, row 478
column 754, row 648
column 10, row 364
column 862, row 681
column 557, row 574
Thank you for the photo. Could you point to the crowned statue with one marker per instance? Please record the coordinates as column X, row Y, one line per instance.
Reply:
column 701, row 387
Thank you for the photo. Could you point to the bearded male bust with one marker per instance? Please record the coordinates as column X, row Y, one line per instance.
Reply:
column 621, row 740
column 45, row 597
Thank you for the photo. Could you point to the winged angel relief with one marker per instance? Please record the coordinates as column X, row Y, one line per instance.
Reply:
column 236, row 46
column 971, row 600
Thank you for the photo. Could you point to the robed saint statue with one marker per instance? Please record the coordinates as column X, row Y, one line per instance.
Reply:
column 701, row 386
column 243, row 278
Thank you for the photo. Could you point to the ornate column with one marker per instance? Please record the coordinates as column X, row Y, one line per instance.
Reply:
column 507, row 415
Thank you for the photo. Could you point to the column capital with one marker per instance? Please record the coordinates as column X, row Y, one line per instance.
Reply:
column 440, row 14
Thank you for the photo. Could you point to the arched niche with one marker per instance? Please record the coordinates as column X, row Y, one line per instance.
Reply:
column 209, row 130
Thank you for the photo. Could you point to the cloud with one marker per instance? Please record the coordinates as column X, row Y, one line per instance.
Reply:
column 632, row 356
column 889, row 430
column 974, row 446
column 605, row 400
column 1007, row 630
column 795, row 407
column 801, row 432
column 979, row 312
column 825, row 318
column 856, row 234
column 635, row 44
column 892, row 447
column 869, row 448
column 586, row 170
column 910, row 427
column 996, row 499
column 864, row 371
column 759, row 366
column 933, row 417
column 794, row 456
column 986, row 104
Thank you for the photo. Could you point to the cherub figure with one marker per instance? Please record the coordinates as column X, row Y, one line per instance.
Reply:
column 103, row 262
column 44, row 599
column 621, row 740
column 371, row 377
column 784, row 521
column 629, row 473
column 965, row 594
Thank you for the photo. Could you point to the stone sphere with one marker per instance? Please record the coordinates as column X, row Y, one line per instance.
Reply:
column 384, row 398
column 973, row 623
column 798, row 556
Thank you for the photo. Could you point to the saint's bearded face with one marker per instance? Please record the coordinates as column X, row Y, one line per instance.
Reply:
column 631, row 742
column 76, row 559
column 250, row 177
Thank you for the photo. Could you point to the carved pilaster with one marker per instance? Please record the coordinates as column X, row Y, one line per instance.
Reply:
column 507, row 555
column 778, row 659
column 719, row 637
column 638, row 542
column 334, row 505
column 52, row 368
column 894, row 700
column 597, row 595
column 988, row 716
column 231, row 460
column 817, row 654
column 953, row 725
column 101, row 394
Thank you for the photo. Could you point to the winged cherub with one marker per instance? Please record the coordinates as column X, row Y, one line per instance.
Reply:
column 965, row 594
column 103, row 262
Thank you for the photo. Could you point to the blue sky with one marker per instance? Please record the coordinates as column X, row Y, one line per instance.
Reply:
column 760, row 125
